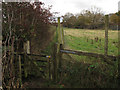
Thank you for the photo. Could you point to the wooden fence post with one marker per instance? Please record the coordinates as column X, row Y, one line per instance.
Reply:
column 49, row 66
column 20, row 71
column 28, row 47
column 62, row 34
column 59, row 46
column 60, row 57
column 119, row 45
column 106, row 34
column 54, row 62
column 59, row 32
column 27, row 51
column 25, row 69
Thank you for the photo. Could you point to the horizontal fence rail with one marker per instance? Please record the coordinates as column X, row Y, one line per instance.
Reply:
column 84, row 53
column 33, row 55
column 39, row 55
column 40, row 60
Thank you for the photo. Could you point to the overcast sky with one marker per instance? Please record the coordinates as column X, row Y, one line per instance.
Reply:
column 75, row 6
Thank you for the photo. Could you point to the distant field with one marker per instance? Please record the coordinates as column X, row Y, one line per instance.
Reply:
column 91, row 40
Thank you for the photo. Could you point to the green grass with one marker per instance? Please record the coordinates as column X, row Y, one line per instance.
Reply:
column 82, row 40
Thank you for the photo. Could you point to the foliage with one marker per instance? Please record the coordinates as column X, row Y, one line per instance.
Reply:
column 25, row 20
column 78, row 74
column 90, row 19
column 114, row 19
column 22, row 21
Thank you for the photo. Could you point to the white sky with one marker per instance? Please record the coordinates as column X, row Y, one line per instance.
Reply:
column 76, row 6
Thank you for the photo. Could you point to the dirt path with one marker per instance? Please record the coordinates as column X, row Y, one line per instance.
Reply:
column 35, row 83
column 39, row 82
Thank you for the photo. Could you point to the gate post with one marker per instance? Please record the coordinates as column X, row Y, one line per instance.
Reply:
column 55, row 62
column 20, row 72
column 60, row 46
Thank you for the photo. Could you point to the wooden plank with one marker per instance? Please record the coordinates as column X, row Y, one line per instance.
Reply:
column 80, row 53
column 22, row 53
column 106, row 34
column 37, row 55
column 40, row 60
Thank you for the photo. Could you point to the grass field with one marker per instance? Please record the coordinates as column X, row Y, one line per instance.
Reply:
column 91, row 40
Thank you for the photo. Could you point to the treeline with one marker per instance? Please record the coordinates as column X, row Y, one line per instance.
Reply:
column 90, row 19
column 22, row 21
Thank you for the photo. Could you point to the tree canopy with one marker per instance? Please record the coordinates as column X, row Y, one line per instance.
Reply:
column 25, row 20
column 89, row 19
